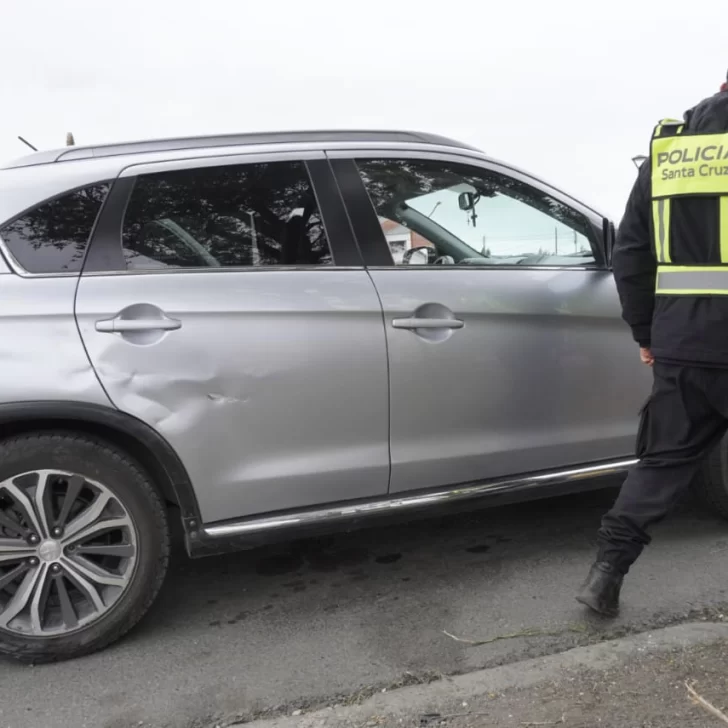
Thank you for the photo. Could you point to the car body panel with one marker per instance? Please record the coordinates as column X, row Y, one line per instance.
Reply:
column 42, row 354
column 256, row 389
column 528, row 384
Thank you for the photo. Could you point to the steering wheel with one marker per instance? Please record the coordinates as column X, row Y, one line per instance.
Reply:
column 444, row 260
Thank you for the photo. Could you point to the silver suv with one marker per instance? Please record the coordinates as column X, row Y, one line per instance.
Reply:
column 285, row 333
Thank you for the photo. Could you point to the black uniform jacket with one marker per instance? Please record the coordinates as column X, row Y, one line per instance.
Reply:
column 689, row 330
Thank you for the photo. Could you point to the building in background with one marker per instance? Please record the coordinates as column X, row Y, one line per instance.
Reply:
column 401, row 238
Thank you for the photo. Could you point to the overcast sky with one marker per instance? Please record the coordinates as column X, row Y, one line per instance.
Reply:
column 569, row 90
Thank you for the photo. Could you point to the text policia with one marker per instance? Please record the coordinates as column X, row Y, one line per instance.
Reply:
column 690, row 165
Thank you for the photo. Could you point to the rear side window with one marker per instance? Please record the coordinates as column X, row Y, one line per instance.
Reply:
column 251, row 215
column 53, row 237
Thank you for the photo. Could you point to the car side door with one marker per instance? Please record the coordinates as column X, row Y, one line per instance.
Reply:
column 507, row 353
column 224, row 302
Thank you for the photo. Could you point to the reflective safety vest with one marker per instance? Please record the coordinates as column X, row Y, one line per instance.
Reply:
column 688, row 165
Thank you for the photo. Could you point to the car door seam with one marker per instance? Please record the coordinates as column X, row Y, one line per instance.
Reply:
column 389, row 379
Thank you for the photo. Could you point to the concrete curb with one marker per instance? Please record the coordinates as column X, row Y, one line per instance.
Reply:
column 422, row 699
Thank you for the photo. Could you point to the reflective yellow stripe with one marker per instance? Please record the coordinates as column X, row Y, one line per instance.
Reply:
column 707, row 291
column 690, row 165
column 692, row 268
column 684, row 280
column 661, row 223
column 723, row 227
column 668, row 122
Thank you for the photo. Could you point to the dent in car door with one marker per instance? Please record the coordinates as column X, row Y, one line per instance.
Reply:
column 270, row 381
column 496, row 368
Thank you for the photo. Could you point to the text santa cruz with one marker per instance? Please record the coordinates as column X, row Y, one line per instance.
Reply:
column 684, row 162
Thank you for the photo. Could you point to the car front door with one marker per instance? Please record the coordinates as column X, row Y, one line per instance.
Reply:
column 507, row 354
column 224, row 302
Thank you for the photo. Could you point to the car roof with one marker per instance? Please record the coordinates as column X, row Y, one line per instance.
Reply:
column 226, row 140
column 315, row 138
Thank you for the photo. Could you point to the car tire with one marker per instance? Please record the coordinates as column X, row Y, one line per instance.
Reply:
column 710, row 486
column 99, row 569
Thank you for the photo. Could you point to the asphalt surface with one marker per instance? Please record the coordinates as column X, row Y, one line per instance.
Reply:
column 302, row 624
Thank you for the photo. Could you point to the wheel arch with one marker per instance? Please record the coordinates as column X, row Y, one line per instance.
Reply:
column 141, row 441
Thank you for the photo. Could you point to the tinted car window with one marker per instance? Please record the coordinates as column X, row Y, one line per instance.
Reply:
column 230, row 216
column 448, row 213
column 53, row 237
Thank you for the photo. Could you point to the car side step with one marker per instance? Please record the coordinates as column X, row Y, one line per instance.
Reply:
column 251, row 532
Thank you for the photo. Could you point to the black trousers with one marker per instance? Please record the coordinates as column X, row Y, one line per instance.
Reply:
column 682, row 420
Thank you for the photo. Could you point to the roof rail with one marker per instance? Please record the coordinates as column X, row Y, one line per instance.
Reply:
column 225, row 140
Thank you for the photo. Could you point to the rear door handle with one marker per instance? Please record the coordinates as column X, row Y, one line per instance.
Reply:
column 427, row 323
column 120, row 325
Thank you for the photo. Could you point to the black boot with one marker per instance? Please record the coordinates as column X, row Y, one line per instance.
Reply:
column 600, row 591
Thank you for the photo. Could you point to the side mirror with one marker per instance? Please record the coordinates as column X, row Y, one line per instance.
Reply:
column 609, row 235
column 418, row 256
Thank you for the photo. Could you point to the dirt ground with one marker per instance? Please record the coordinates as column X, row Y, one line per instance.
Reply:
column 649, row 692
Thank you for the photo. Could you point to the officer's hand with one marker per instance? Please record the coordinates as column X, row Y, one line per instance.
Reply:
column 646, row 357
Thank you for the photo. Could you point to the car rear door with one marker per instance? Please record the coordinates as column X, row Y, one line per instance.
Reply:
column 224, row 302
column 507, row 354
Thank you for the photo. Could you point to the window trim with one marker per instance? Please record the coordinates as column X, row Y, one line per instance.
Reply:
column 105, row 251
column 363, row 213
column 13, row 263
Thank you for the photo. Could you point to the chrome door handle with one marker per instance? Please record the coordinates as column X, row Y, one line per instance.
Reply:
column 427, row 323
column 120, row 325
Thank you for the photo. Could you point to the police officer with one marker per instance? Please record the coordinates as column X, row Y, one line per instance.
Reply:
column 671, row 269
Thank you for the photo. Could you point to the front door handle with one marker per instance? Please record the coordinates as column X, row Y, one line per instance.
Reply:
column 427, row 323
column 120, row 325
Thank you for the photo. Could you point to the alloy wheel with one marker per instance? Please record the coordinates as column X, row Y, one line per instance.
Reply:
column 68, row 551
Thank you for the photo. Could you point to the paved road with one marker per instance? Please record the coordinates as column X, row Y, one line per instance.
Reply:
column 305, row 622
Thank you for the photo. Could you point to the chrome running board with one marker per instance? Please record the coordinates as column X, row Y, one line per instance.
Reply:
column 403, row 503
